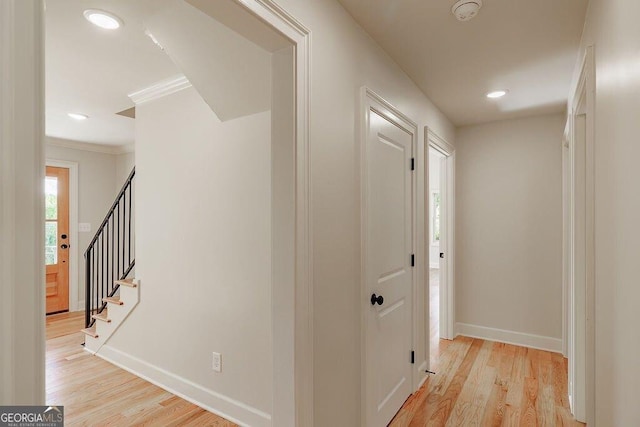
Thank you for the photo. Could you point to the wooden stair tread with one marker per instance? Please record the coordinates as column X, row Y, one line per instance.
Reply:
column 104, row 316
column 90, row 331
column 127, row 282
column 113, row 300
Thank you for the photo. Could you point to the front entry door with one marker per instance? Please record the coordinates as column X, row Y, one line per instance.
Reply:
column 388, row 267
column 57, row 239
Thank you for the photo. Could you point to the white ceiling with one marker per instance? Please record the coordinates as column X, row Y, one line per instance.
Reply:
column 90, row 70
column 237, row 86
column 526, row 46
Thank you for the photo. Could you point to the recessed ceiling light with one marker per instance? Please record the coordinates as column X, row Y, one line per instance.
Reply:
column 497, row 94
column 78, row 116
column 103, row 19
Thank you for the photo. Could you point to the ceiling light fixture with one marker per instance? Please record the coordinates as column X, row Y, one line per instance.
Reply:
column 497, row 94
column 78, row 116
column 464, row 10
column 103, row 19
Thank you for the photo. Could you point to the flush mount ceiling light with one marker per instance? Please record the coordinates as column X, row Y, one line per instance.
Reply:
column 465, row 10
column 497, row 94
column 78, row 116
column 103, row 19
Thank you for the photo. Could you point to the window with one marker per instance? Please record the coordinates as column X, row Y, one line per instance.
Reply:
column 51, row 226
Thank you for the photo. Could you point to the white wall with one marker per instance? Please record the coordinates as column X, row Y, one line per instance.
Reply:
column 97, row 189
column 124, row 164
column 612, row 26
column 509, row 226
column 203, row 239
column 177, row 151
column 239, row 85
column 344, row 58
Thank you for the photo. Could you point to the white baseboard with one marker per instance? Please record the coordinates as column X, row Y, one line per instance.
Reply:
column 226, row 407
column 510, row 337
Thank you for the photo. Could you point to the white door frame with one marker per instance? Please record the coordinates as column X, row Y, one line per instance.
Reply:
column 582, row 374
column 566, row 236
column 294, row 391
column 369, row 98
column 22, row 293
column 74, row 301
column 447, row 292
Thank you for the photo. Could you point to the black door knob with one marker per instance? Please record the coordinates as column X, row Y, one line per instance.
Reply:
column 377, row 299
column 64, row 246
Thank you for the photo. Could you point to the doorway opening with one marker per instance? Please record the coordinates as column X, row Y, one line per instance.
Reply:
column 440, row 197
column 281, row 44
column 436, row 256
column 56, row 246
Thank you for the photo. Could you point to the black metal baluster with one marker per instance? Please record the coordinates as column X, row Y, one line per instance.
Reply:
column 108, row 254
column 130, row 215
column 118, row 240
column 124, row 227
column 101, row 274
column 87, row 288
column 113, row 243
column 113, row 260
column 97, row 286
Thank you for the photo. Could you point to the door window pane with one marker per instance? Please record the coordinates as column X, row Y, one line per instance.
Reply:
column 51, row 197
column 51, row 243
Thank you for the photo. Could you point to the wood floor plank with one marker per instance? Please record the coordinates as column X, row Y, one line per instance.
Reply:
column 528, row 412
column 487, row 383
column 494, row 410
column 476, row 390
column 97, row 393
column 491, row 384
column 447, row 402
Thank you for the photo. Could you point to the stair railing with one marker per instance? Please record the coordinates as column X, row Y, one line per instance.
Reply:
column 111, row 254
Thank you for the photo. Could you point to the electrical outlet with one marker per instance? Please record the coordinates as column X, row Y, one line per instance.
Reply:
column 217, row 362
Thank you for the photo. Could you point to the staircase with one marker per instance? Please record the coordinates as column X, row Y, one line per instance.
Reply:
column 110, row 293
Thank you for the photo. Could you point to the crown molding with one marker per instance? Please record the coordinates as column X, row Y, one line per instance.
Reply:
column 160, row 89
column 87, row 146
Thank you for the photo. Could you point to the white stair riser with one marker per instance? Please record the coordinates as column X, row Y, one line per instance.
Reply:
column 117, row 314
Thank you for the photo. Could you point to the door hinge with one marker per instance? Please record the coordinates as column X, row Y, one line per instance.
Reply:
column 413, row 163
column 413, row 357
column 413, row 260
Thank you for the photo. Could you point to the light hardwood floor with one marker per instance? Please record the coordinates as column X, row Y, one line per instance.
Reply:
column 483, row 383
column 476, row 383
column 97, row 393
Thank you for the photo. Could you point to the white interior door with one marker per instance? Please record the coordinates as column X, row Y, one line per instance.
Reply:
column 388, row 267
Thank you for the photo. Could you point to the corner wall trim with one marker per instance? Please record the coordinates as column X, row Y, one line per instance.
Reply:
column 510, row 337
column 160, row 89
column 228, row 408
